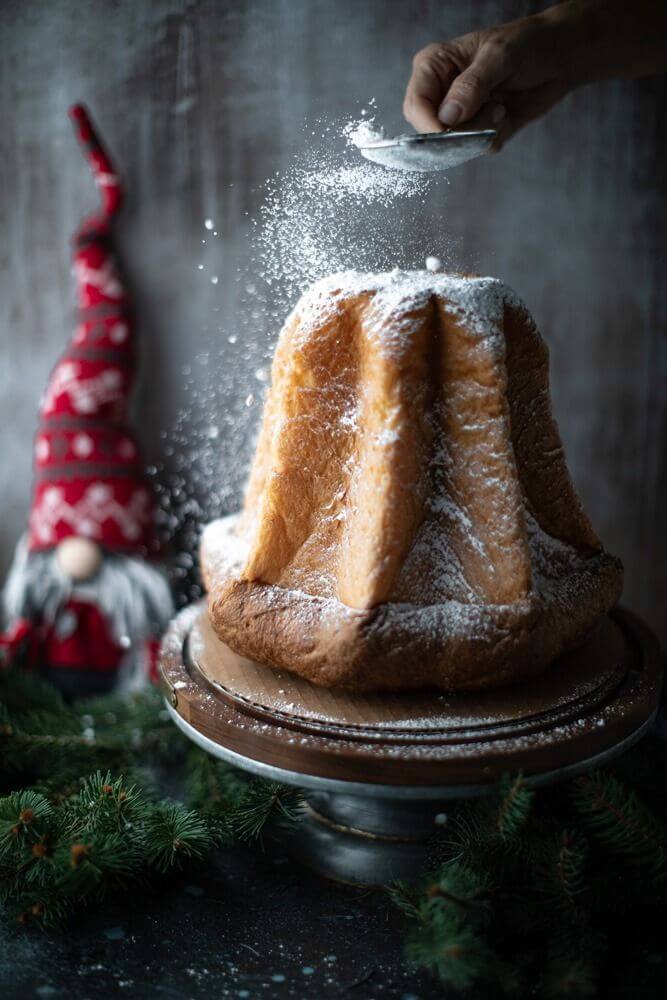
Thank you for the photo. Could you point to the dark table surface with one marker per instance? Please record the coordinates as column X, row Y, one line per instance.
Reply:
column 252, row 925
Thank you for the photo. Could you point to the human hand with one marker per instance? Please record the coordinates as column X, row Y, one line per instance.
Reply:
column 502, row 78
column 506, row 76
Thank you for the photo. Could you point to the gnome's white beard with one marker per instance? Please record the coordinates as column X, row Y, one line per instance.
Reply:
column 133, row 595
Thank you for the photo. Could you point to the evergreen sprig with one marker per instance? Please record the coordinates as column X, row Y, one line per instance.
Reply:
column 214, row 788
column 448, row 916
column 68, row 835
column 621, row 822
column 450, row 948
column 518, row 899
column 263, row 802
column 559, row 864
column 514, row 902
column 173, row 834
column 53, row 857
column 514, row 805
column 48, row 744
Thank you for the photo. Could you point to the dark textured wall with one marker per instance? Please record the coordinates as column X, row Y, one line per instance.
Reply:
column 200, row 101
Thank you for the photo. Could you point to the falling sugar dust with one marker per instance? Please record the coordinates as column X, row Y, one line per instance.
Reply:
column 329, row 211
column 333, row 211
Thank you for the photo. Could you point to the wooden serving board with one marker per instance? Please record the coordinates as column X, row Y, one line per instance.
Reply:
column 591, row 701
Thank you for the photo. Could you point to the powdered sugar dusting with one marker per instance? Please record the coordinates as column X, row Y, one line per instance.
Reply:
column 327, row 210
column 224, row 550
column 323, row 218
column 342, row 225
column 445, row 625
column 364, row 133
column 396, row 295
column 331, row 211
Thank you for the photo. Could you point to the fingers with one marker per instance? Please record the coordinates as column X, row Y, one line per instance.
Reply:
column 451, row 83
column 472, row 88
column 432, row 73
column 420, row 112
column 492, row 115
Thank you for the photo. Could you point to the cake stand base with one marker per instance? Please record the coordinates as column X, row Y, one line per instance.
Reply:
column 377, row 770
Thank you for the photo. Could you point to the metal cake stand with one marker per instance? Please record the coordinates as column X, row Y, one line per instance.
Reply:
column 378, row 770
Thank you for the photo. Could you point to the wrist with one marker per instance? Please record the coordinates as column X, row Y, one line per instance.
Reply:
column 576, row 33
column 600, row 39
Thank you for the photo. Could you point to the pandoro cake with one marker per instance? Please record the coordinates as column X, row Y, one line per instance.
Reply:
column 409, row 519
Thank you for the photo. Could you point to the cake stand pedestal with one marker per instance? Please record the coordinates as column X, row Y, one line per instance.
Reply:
column 377, row 770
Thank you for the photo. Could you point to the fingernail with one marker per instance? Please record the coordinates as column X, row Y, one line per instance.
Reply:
column 450, row 113
column 499, row 113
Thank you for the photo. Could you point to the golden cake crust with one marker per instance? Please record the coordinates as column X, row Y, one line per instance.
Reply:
column 409, row 519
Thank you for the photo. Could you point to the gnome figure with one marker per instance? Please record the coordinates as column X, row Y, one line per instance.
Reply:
column 83, row 604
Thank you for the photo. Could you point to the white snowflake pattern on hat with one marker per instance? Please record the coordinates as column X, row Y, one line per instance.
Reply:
column 89, row 529
column 87, row 516
column 82, row 445
column 85, row 394
column 53, row 497
column 103, row 277
column 118, row 333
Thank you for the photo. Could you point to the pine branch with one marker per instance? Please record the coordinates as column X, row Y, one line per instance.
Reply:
column 489, row 828
column 174, row 834
column 466, row 836
column 460, row 889
column 447, row 915
column 448, row 947
column 406, row 897
column 518, row 901
column 105, row 803
column 21, row 813
column 27, row 692
column 514, row 807
column 55, row 856
column 264, row 801
column 558, row 868
column 621, row 822
column 45, row 742
column 211, row 786
column 68, row 839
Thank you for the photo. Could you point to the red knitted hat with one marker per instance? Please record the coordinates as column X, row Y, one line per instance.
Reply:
column 89, row 478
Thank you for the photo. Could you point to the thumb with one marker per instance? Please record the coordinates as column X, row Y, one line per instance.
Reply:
column 471, row 89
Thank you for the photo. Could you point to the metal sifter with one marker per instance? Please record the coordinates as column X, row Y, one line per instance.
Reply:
column 428, row 151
